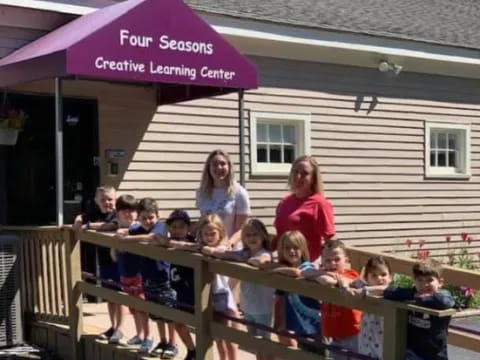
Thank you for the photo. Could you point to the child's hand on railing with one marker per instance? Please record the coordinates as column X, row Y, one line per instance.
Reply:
column 121, row 233
column 160, row 240
column 207, row 250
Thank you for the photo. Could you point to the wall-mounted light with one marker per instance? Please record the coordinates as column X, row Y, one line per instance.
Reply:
column 386, row 66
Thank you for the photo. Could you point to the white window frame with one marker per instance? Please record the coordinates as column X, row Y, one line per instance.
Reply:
column 302, row 126
column 462, row 171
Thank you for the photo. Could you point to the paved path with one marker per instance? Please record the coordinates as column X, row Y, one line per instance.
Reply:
column 95, row 320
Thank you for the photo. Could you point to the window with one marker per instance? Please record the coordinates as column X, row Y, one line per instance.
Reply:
column 447, row 150
column 276, row 140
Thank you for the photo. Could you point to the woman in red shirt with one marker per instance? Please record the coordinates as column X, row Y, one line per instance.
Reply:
column 306, row 209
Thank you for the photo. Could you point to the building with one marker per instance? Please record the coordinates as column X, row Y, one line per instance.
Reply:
column 386, row 96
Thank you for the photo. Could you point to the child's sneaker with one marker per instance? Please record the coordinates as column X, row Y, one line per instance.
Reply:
column 134, row 341
column 106, row 335
column 159, row 349
column 145, row 346
column 116, row 337
column 170, row 351
column 190, row 355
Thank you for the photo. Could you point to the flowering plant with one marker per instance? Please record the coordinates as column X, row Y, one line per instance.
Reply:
column 11, row 118
column 464, row 296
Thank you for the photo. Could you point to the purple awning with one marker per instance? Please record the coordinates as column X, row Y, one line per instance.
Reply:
column 145, row 41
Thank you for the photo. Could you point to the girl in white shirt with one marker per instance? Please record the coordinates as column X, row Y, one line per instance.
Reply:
column 255, row 300
column 212, row 235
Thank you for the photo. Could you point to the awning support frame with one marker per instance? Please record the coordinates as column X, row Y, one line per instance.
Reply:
column 59, row 149
column 241, row 120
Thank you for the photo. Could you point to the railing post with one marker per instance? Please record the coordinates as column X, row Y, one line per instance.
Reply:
column 394, row 333
column 203, row 311
column 74, row 274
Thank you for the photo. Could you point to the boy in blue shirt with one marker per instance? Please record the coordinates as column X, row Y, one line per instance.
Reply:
column 426, row 334
column 178, row 224
column 155, row 277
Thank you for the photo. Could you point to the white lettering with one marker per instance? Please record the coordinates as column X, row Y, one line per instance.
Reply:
column 220, row 74
column 124, row 65
column 181, row 70
column 135, row 40
column 185, row 46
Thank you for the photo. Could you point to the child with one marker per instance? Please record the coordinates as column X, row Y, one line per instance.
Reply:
column 100, row 217
column 129, row 268
column 155, row 276
column 178, row 224
column 377, row 276
column 212, row 234
column 340, row 324
column 426, row 334
column 126, row 214
column 255, row 300
column 295, row 313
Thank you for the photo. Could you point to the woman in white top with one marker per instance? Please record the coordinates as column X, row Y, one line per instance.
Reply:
column 220, row 194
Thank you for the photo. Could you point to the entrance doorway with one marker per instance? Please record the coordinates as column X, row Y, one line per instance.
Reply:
column 30, row 164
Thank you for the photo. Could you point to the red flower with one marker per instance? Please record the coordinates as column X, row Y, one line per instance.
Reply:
column 448, row 238
column 464, row 236
column 469, row 239
column 422, row 242
column 423, row 254
column 410, row 242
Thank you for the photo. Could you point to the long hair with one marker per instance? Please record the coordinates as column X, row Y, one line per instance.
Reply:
column 317, row 182
column 215, row 221
column 206, row 182
column 292, row 239
column 258, row 227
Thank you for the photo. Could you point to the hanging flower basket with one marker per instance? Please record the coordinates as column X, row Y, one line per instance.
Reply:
column 12, row 121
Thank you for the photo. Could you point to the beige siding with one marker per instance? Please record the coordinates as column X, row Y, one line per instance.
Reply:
column 367, row 134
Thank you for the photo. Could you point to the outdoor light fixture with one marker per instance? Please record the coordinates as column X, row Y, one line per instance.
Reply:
column 385, row 67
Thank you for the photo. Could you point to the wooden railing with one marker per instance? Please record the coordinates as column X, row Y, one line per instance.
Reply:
column 44, row 256
column 50, row 254
column 394, row 313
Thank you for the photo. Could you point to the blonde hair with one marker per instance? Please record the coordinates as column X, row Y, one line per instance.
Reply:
column 215, row 221
column 206, row 182
column 257, row 227
column 317, row 182
column 295, row 239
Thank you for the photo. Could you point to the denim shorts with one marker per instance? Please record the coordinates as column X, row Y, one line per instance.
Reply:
column 261, row 319
column 160, row 293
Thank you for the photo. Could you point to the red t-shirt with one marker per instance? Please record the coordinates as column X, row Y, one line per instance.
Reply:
column 312, row 216
column 341, row 322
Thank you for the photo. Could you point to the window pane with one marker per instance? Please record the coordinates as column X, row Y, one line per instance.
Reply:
column 442, row 141
column 262, row 132
column 288, row 154
column 442, row 158
column 433, row 140
column 433, row 161
column 262, row 153
column 289, row 134
column 452, row 141
column 275, row 132
column 275, row 154
column 452, row 158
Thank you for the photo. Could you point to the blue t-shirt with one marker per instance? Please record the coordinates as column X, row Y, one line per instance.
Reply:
column 128, row 264
column 302, row 314
column 150, row 269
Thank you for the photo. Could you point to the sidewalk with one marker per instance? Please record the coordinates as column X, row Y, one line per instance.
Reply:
column 95, row 320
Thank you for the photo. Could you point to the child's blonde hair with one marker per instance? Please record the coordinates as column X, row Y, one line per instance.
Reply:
column 295, row 239
column 215, row 221
column 258, row 227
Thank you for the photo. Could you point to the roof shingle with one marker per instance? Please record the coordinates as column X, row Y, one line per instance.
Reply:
column 445, row 22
